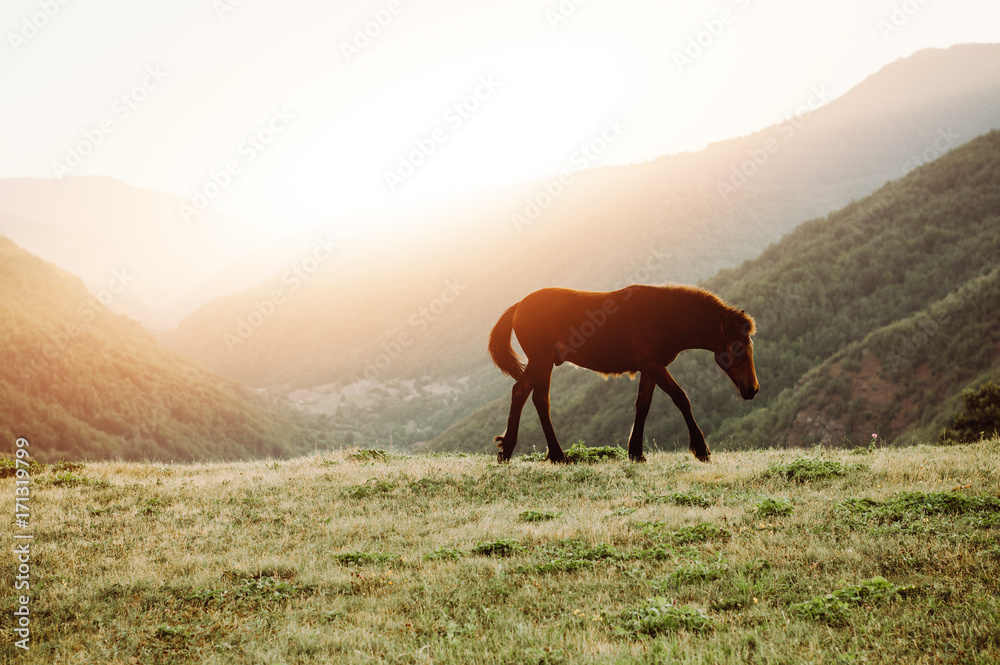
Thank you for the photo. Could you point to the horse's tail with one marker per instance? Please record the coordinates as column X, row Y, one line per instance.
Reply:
column 500, row 347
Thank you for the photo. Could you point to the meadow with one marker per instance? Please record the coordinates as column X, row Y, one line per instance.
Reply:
column 874, row 555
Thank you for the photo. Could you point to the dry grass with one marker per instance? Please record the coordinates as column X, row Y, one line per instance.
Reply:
column 324, row 559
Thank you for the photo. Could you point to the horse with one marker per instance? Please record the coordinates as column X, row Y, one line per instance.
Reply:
column 638, row 329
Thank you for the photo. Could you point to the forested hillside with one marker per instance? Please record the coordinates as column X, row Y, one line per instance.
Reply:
column 871, row 319
column 80, row 382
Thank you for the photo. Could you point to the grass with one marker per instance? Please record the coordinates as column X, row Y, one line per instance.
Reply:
column 350, row 557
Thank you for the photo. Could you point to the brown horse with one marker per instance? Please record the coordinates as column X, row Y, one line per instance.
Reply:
column 636, row 329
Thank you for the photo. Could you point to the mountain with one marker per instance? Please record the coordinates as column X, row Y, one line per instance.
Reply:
column 412, row 306
column 80, row 382
column 872, row 319
column 94, row 226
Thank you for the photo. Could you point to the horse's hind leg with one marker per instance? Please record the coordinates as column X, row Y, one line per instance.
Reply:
column 642, row 401
column 541, row 400
column 518, row 396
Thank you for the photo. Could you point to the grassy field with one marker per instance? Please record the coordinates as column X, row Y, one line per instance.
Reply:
column 807, row 556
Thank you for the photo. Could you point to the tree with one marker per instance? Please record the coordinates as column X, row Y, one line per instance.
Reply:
column 981, row 418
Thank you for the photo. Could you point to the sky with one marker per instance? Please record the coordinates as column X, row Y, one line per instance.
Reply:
column 296, row 114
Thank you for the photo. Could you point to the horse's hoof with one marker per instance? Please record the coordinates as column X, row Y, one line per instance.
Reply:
column 704, row 458
column 640, row 458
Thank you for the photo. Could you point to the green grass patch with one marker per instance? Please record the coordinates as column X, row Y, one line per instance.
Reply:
column 581, row 453
column 918, row 512
column 444, row 553
column 807, row 469
column 503, row 548
column 538, row 516
column 688, row 535
column 770, row 508
column 681, row 499
column 556, row 566
column 249, row 590
column 368, row 455
column 372, row 487
column 658, row 615
column 834, row 607
column 367, row 558
column 695, row 572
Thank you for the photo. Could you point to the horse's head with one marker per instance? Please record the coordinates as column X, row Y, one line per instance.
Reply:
column 734, row 353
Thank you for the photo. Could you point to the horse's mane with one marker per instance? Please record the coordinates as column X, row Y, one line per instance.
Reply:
column 737, row 316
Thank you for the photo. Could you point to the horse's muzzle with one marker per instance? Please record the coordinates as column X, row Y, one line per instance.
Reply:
column 749, row 393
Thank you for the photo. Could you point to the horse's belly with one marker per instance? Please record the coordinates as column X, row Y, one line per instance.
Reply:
column 600, row 353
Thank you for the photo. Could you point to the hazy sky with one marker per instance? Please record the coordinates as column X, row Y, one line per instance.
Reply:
column 292, row 114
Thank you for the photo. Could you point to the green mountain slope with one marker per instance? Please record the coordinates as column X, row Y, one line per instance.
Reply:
column 837, row 285
column 903, row 380
column 80, row 382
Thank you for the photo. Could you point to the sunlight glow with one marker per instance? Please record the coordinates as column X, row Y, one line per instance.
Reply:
column 444, row 95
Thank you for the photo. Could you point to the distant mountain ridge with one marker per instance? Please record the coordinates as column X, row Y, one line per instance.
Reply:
column 94, row 225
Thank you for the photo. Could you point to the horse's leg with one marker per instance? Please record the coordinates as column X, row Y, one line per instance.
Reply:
column 698, row 446
column 540, row 397
column 518, row 396
column 646, row 387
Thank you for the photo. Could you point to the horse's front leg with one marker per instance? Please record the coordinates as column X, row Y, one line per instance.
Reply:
column 642, row 401
column 698, row 446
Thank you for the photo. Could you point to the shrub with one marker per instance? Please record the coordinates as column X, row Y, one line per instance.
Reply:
column 981, row 418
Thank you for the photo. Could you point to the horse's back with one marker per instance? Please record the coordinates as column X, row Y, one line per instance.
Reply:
column 588, row 328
